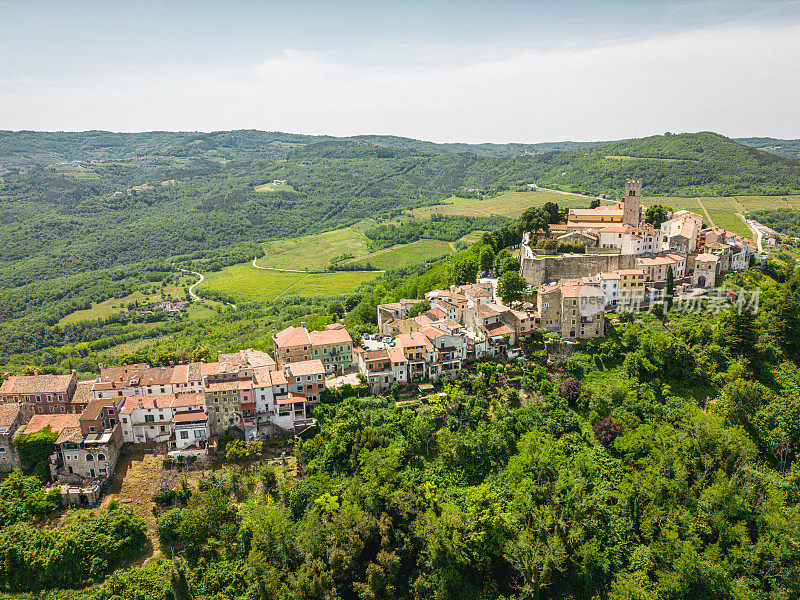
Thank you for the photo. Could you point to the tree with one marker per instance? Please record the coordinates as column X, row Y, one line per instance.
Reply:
column 534, row 220
column 553, row 212
column 464, row 271
column 670, row 288
column 34, row 450
column 511, row 286
column 418, row 309
column 570, row 389
column 656, row 214
column 605, row 430
column 336, row 309
column 594, row 203
column 487, row 258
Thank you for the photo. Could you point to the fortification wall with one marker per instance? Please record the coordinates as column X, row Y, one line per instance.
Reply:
column 537, row 271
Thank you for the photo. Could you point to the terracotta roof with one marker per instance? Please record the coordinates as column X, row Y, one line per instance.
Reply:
column 8, row 414
column 306, row 367
column 656, row 260
column 180, row 374
column 189, row 416
column 83, row 392
column 70, row 434
column 610, row 275
column 95, row 407
column 423, row 320
column 631, row 271
column 396, row 355
column 588, row 212
column 706, row 258
column 429, row 332
column 371, row 355
column 292, row 336
column 36, row 384
column 160, row 401
column 484, row 311
column 123, row 373
column 291, row 399
column 613, row 229
column 498, row 329
column 248, row 358
column 219, row 386
column 183, row 400
column 330, row 336
column 559, row 227
column 264, row 377
column 56, row 422
column 407, row 340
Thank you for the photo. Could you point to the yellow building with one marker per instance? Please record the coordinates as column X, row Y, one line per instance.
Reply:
column 631, row 286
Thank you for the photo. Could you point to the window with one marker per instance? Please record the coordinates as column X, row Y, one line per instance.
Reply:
column 92, row 430
column 149, row 418
column 103, row 471
column 184, row 435
column 101, row 456
column 89, row 457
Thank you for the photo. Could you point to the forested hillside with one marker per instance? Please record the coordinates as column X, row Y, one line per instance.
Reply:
column 205, row 201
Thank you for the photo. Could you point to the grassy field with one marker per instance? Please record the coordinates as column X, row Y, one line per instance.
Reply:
column 471, row 238
column 243, row 281
column 409, row 254
column 314, row 252
column 508, row 204
column 133, row 346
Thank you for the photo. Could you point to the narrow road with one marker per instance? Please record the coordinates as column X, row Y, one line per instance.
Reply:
column 538, row 187
column 275, row 268
column 195, row 297
column 753, row 225
column 703, row 206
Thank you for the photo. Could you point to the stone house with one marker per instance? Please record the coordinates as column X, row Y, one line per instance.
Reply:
column 40, row 394
column 292, row 344
column 11, row 418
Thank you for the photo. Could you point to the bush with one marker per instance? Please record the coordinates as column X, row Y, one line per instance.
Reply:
column 570, row 390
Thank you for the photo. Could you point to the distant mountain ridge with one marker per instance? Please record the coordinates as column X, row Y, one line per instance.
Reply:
column 35, row 148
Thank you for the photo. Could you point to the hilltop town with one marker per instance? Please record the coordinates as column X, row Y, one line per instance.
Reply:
column 627, row 265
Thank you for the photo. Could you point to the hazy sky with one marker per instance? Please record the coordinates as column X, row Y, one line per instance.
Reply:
column 444, row 71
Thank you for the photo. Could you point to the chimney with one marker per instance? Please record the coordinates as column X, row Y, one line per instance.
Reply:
column 35, row 372
column 141, row 404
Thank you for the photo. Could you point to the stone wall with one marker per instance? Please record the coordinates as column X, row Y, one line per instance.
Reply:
column 538, row 271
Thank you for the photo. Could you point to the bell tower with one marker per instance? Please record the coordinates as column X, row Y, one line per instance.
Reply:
column 632, row 203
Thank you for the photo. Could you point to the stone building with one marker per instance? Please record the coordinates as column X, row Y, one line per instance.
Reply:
column 11, row 418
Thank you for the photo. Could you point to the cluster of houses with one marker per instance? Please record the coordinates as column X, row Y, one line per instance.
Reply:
column 184, row 406
column 696, row 257
column 463, row 324
column 167, row 306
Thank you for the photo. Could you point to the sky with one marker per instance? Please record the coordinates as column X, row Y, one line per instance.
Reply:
column 501, row 71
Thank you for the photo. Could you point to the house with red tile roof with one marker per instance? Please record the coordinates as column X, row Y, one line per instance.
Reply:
column 292, row 344
column 40, row 394
column 334, row 347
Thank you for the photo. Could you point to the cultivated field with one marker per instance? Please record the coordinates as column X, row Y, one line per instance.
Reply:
column 407, row 254
column 246, row 282
column 314, row 252
column 507, row 204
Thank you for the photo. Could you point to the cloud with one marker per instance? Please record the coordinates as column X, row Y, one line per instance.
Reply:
column 737, row 80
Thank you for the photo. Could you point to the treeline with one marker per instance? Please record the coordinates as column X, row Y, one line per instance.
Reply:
column 782, row 220
column 438, row 227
